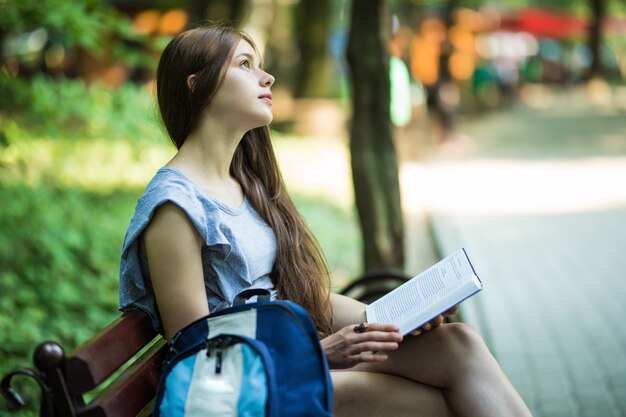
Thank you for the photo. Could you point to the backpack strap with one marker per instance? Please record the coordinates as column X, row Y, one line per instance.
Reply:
column 245, row 295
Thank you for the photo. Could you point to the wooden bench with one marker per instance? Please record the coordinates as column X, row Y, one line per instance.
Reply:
column 96, row 380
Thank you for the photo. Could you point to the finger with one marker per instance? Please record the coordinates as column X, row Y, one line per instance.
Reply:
column 452, row 311
column 382, row 327
column 375, row 336
column 373, row 347
column 416, row 332
column 369, row 357
column 436, row 322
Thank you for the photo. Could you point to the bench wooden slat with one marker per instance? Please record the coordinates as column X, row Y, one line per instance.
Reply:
column 147, row 410
column 96, row 360
column 128, row 395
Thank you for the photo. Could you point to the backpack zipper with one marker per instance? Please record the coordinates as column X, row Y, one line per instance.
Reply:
column 217, row 345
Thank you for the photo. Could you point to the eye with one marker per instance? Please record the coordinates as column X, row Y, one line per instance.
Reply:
column 245, row 64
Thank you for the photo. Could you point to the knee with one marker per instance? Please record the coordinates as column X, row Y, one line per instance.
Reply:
column 462, row 343
column 463, row 335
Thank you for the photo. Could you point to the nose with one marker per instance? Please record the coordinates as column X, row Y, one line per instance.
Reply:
column 267, row 80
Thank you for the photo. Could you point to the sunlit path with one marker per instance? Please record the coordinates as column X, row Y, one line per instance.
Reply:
column 492, row 186
column 542, row 211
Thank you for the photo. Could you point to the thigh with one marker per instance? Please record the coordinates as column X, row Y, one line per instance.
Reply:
column 437, row 357
column 373, row 394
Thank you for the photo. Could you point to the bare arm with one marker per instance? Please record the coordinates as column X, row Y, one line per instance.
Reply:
column 173, row 248
column 346, row 311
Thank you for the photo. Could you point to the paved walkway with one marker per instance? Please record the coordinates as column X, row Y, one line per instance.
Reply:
column 537, row 196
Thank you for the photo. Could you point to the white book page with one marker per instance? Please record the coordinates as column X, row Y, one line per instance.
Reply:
column 427, row 295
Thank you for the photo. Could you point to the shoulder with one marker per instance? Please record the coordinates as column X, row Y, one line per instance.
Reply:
column 173, row 199
column 169, row 184
column 169, row 220
column 171, row 232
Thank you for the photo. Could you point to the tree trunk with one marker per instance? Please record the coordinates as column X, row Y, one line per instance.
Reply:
column 374, row 160
column 443, row 111
column 197, row 10
column 595, row 37
column 230, row 11
column 312, row 30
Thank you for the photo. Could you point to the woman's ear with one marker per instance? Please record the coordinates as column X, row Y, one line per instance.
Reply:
column 191, row 82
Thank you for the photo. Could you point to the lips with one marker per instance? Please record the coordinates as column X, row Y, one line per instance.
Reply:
column 266, row 97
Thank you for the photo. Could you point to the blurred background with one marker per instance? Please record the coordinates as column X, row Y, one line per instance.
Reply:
column 503, row 121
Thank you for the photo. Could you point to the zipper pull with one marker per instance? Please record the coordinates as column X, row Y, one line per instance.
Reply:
column 218, row 362
column 217, row 345
column 210, row 347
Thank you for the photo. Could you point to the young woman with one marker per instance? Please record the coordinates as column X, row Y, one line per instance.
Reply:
column 217, row 220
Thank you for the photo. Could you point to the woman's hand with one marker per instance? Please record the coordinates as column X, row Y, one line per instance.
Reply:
column 354, row 344
column 436, row 322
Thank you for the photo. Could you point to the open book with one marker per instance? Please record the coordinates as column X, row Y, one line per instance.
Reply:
column 427, row 295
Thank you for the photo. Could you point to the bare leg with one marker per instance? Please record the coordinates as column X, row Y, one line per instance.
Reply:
column 376, row 394
column 452, row 360
column 455, row 359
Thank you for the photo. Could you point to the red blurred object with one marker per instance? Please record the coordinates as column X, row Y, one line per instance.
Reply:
column 615, row 25
column 543, row 23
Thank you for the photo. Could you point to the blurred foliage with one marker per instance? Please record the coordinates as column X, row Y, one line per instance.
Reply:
column 68, row 108
column 88, row 24
column 59, row 249
column 617, row 7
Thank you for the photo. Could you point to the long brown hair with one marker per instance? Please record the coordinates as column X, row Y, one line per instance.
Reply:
column 300, row 272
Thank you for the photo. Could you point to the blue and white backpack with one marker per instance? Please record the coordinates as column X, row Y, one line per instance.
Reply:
column 260, row 359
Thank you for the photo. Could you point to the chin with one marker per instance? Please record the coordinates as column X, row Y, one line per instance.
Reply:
column 256, row 119
column 264, row 121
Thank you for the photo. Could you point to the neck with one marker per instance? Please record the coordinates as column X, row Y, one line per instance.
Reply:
column 209, row 149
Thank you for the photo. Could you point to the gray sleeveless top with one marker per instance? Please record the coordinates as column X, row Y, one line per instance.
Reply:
column 239, row 247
